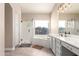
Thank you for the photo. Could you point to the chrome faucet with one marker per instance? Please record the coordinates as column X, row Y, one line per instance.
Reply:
column 66, row 34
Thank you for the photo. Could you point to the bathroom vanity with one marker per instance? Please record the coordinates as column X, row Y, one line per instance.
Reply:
column 65, row 46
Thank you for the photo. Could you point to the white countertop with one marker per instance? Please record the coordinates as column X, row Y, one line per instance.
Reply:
column 72, row 39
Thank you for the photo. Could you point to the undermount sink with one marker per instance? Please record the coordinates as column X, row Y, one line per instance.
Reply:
column 70, row 39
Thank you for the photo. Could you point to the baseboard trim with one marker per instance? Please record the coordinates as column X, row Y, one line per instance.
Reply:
column 9, row 49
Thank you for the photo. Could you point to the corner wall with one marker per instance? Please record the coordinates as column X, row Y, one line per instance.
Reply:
column 16, row 18
column 2, row 31
column 54, row 21
column 8, row 26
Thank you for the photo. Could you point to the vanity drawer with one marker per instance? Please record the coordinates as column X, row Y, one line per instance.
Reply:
column 71, row 48
column 75, row 50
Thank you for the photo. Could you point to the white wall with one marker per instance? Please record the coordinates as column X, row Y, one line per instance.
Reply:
column 63, row 16
column 54, row 20
column 2, row 27
column 35, row 16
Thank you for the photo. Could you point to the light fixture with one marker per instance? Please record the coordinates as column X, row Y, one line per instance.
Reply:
column 62, row 7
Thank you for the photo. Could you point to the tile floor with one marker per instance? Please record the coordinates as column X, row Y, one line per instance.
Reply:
column 29, row 51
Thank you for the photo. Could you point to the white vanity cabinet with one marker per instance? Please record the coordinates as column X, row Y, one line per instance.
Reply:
column 56, row 46
column 63, row 46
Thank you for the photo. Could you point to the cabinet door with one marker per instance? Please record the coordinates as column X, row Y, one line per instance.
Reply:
column 51, row 43
column 53, row 46
column 58, row 47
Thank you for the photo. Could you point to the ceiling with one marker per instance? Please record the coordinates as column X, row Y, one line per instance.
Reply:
column 73, row 9
column 37, row 7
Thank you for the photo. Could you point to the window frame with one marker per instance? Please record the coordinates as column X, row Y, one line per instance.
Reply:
column 34, row 27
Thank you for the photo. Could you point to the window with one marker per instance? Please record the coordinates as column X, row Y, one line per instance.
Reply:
column 41, row 27
column 62, row 26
